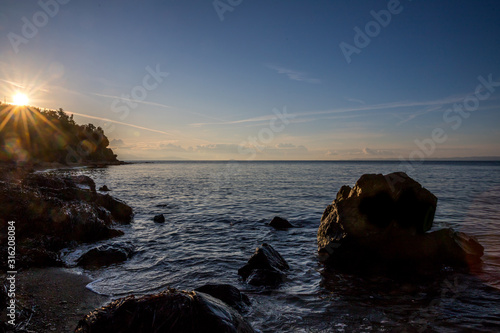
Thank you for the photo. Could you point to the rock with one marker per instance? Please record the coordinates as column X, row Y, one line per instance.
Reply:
column 280, row 223
column 159, row 218
column 265, row 268
column 53, row 212
column 383, row 220
column 119, row 210
column 103, row 256
column 169, row 311
column 226, row 293
column 104, row 188
column 85, row 181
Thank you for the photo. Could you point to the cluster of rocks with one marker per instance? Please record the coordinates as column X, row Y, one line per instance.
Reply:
column 383, row 222
column 53, row 212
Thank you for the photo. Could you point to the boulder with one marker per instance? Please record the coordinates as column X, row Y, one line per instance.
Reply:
column 85, row 182
column 120, row 211
column 104, row 255
column 104, row 188
column 226, row 293
column 169, row 311
column 266, row 267
column 159, row 218
column 384, row 220
column 280, row 223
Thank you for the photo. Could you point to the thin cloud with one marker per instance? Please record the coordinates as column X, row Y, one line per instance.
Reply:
column 154, row 104
column 132, row 100
column 118, row 122
column 293, row 74
column 355, row 100
column 13, row 83
column 363, row 108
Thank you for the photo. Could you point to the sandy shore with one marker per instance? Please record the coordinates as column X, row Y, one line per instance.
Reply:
column 58, row 298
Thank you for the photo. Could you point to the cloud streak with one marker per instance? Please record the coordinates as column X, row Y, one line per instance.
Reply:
column 293, row 74
column 433, row 104
column 118, row 122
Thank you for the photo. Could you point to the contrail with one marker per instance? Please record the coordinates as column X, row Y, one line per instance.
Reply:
column 132, row 100
column 118, row 122
column 13, row 83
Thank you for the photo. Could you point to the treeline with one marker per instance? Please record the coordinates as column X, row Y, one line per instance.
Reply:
column 32, row 135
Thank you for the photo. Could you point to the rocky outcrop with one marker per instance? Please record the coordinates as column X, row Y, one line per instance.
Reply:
column 159, row 218
column 120, row 211
column 383, row 221
column 280, row 223
column 228, row 294
column 53, row 212
column 266, row 267
column 168, row 311
column 104, row 255
column 104, row 188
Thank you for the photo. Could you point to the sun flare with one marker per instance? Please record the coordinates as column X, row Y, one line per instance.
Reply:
column 20, row 99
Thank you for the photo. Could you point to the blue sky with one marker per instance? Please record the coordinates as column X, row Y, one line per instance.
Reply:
column 268, row 81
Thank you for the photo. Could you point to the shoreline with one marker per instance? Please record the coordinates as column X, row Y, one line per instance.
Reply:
column 54, row 299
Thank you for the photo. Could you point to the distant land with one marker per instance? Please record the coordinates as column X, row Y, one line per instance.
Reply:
column 34, row 136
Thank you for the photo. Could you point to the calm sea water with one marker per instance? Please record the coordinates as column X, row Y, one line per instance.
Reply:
column 217, row 214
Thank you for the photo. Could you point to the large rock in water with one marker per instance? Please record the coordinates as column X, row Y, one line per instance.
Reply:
column 384, row 220
column 104, row 255
column 266, row 267
column 169, row 311
column 228, row 294
column 280, row 223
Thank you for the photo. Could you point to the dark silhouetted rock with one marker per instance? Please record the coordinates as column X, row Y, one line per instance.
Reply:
column 159, row 218
column 280, row 223
column 226, row 293
column 383, row 220
column 266, row 267
column 104, row 188
column 120, row 211
column 84, row 181
column 169, row 311
column 53, row 212
column 104, row 255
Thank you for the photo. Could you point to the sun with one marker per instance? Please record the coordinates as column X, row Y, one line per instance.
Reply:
column 20, row 99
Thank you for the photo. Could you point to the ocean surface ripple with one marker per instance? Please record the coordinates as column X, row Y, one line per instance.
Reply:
column 217, row 213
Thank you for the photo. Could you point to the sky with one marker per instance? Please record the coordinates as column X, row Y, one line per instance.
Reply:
column 264, row 80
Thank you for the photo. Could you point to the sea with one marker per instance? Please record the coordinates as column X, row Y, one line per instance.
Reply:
column 217, row 213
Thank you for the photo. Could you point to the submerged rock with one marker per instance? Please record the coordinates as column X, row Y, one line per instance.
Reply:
column 384, row 220
column 104, row 255
column 226, row 293
column 104, row 188
column 280, row 223
column 266, row 267
column 169, row 311
column 159, row 218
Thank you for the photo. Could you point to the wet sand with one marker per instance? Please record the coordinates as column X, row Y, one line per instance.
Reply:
column 58, row 297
